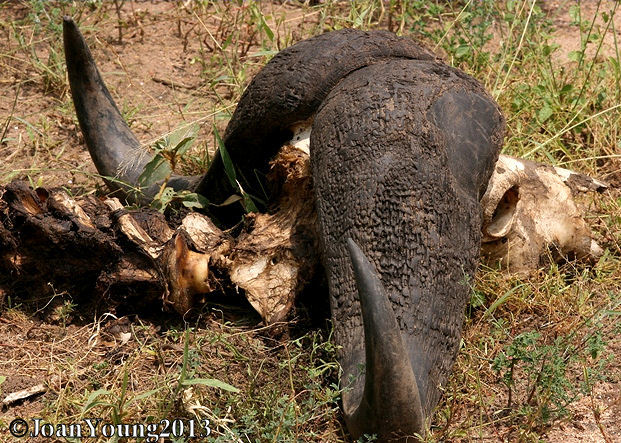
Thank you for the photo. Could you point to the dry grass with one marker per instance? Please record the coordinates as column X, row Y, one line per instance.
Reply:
column 539, row 355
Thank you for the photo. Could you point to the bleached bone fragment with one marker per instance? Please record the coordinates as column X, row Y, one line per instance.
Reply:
column 529, row 214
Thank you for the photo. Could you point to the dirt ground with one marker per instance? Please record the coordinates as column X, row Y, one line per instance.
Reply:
column 155, row 76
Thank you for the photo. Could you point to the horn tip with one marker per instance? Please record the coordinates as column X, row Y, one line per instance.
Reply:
column 365, row 274
column 351, row 245
column 71, row 34
column 68, row 22
column 355, row 252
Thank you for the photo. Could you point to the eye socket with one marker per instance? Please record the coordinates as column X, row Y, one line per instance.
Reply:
column 502, row 220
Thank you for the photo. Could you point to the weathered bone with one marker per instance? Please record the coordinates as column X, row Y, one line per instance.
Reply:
column 183, row 264
column 529, row 214
column 275, row 260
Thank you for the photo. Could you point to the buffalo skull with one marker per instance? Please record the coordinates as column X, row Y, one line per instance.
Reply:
column 402, row 150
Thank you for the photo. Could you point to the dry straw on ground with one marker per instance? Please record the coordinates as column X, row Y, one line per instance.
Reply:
column 539, row 359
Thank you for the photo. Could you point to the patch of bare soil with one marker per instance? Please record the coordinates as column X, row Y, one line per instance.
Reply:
column 148, row 52
column 154, row 73
column 595, row 418
column 154, row 70
column 567, row 34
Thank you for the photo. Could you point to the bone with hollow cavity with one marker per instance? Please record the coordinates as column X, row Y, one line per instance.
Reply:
column 530, row 215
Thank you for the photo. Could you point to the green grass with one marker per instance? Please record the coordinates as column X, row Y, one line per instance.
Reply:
column 532, row 345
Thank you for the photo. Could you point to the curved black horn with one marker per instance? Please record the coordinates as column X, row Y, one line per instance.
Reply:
column 390, row 400
column 113, row 147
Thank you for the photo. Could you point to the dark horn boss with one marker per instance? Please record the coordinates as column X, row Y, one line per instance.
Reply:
column 402, row 149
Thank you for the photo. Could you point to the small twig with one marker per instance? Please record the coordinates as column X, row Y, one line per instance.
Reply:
column 536, row 383
column 172, row 83
column 597, row 417
column 14, row 397
column 118, row 7
column 8, row 120
column 510, row 393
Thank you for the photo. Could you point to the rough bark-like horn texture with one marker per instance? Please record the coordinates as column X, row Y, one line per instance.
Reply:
column 390, row 400
column 113, row 147
column 289, row 89
column 385, row 162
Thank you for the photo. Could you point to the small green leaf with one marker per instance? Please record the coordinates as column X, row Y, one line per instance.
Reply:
column 462, row 51
column 264, row 53
column 262, row 23
column 544, row 113
column 612, row 312
column 181, row 140
column 501, row 300
column 229, row 169
column 574, row 14
column 360, row 17
column 227, row 42
column 566, row 89
column 175, row 144
column 549, row 49
column 230, row 200
column 211, row 382
column 182, row 147
column 144, row 395
column 92, row 400
column 477, row 299
column 194, row 200
column 266, row 28
column 224, row 78
column 249, row 205
column 156, row 170
column 164, row 199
